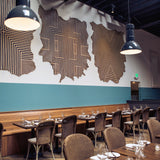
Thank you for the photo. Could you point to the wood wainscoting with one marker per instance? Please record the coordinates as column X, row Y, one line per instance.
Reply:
column 14, row 139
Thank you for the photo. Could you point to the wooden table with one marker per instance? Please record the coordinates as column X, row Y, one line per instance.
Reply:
column 149, row 152
column 33, row 123
column 91, row 118
column 122, row 157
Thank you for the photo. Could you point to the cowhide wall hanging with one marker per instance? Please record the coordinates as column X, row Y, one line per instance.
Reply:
column 106, row 49
column 15, row 53
column 64, row 44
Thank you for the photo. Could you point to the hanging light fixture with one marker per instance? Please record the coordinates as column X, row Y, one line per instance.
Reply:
column 130, row 47
column 22, row 17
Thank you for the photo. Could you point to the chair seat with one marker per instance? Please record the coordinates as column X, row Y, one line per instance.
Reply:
column 59, row 135
column 157, row 136
column 152, row 117
column 32, row 140
column 92, row 129
column 129, row 122
column 108, row 125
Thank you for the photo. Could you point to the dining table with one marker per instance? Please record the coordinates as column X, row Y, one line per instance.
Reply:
column 149, row 152
column 127, row 154
column 91, row 117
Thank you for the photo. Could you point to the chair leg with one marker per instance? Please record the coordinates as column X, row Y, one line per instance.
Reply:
column 37, row 152
column 134, row 131
column 61, row 148
column 51, row 148
column 37, row 148
column 1, row 156
column 124, row 128
column 138, row 128
column 29, row 146
column 95, row 139
column 143, row 127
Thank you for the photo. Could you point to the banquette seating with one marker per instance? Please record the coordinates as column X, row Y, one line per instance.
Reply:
column 15, row 135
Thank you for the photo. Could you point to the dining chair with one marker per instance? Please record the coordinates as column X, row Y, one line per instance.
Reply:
column 116, row 120
column 78, row 147
column 100, row 120
column 44, row 135
column 1, row 132
column 158, row 114
column 154, row 130
column 133, row 123
column 113, row 138
column 145, row 116
column 68, row 127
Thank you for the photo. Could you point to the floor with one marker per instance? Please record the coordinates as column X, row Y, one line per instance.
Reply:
column 47, row 156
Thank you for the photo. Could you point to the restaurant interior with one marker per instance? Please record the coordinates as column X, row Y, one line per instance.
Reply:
column 79, row 79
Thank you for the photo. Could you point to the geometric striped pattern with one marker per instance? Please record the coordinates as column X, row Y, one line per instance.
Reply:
column 64, row 44
column 106, row 49
column 15, row 51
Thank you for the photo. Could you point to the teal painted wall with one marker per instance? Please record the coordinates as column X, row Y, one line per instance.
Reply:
column 15, row 97
column 149, row 93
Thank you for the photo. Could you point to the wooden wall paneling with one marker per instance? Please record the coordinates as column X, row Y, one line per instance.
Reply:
column 15, row 51
column 64, row 44
column 106, row 49
column 15, row 144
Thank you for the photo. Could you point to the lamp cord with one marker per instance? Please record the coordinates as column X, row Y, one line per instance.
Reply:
column 129, row 18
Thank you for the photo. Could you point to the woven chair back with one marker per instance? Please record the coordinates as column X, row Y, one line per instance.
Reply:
column 1, row 131
column 136, row 117
column 100, row 121
column 145, row 114
column 116, row 119
column 69, row 125
column 45, row 132
column 154, row 129
column 114, row 138
column 158, row 114
column 78, row 147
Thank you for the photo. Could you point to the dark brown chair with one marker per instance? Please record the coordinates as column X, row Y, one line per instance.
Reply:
column 100, row 120
column 136, row 122
column 113, row 138
column 78, row 147
column 1, row 132
column 68, row 127
column 158, row 114
column 145, row 116
column 44, row 135
column 154, row 130
column 116, row 120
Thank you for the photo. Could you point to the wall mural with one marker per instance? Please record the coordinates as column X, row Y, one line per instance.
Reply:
column 15, row 52
column 64, row 44
column 64, row 47
column 106, row 47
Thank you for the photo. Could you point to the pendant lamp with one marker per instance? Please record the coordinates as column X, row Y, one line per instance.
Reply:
column 22, row 17
column 130, row 47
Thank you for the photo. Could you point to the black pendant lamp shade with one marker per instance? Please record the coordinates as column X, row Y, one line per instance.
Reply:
column 22, row 17
column 130, row 47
